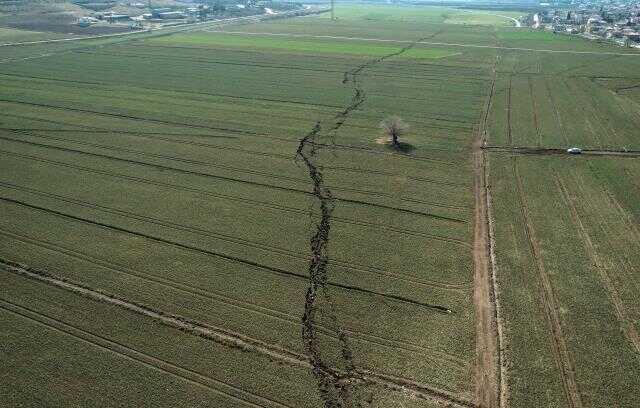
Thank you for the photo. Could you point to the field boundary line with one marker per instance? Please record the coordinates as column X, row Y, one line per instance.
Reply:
column 549, row 303
column 626, row 324
column 228, row 338
column 136, row 355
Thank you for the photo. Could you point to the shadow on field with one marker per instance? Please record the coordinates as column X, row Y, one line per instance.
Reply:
column 401, row 147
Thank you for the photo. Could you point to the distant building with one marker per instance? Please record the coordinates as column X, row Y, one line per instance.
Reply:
column 117, row 17
column 172, row 15
column 156, row 12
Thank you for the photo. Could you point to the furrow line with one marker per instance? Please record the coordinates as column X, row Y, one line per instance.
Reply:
column 269, row 269
column 188, row 375
column 243, row 200
column 232, row 179
column 626, row 324
column 223, row 237
column 434, row 355
column 221, row 336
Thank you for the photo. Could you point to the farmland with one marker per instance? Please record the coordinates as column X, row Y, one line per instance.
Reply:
column 214, row 218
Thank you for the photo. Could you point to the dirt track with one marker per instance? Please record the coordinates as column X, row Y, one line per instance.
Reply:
column 487, row 366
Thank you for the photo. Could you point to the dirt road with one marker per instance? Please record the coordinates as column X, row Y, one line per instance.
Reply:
column 488, row 387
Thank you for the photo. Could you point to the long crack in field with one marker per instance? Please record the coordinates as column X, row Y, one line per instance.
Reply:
column 336, row 384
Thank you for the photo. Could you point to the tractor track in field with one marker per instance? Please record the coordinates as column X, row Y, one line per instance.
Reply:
column 489, row 367
column 534, row 109
column 509, row 128
column 231, row 179
column 549, row 302
column 578, row 93
column 186, row 374
column 228, row 338
column 357, row 267
column 623, row 212
column 257, row 265
column 237, row 199
column 337, row 391
column 436, row 356
column 626, row 325
column 556, row 112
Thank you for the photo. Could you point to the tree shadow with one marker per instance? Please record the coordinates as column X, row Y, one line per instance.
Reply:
column 401, row 147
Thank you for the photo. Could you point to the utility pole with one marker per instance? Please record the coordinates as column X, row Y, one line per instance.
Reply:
column 333, row 16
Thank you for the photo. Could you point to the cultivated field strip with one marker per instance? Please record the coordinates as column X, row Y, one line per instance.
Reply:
column 237, row 180
column 601, row 268
column 550, row 303
column 193, row 101
column 194, row 190
column 224, row 337
column 173, row 185
column 364, row 300
column 367, row 192
column 185, row 374
column 353, row 221
column 226, row 179
column 281, row 122
column 238, row 241
column 392, row 345
column 266, row 268
column 244, row 171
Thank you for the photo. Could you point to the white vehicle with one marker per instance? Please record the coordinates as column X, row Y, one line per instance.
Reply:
column 574, row 150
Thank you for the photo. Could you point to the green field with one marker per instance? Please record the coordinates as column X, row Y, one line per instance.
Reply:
column 157, row 179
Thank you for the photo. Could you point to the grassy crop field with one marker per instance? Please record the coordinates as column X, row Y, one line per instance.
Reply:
column 214, row 217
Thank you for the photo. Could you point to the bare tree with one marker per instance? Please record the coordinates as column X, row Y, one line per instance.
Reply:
column 394, row 127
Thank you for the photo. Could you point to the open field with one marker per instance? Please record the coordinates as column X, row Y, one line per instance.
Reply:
column 565, row 227
column 213, row 217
